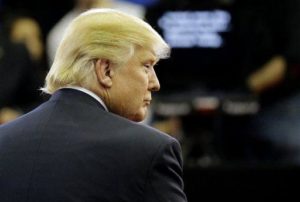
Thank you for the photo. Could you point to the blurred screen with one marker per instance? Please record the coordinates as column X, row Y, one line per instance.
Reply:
column 195, row 29
column 203, row 47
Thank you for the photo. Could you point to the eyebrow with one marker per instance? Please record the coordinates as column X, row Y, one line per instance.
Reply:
column 148, row 58
column 152, row 61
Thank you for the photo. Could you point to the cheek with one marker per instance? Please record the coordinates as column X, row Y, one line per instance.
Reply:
column 131, row 107
column 138, row 89
column 134, row 106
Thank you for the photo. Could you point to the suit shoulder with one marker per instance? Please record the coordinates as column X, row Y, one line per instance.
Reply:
column 143, row 133
column 143, row 128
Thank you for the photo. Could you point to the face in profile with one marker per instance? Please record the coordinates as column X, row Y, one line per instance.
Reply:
column 132, row 86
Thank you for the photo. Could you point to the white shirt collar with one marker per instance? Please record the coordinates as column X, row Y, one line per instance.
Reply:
column 89, row 93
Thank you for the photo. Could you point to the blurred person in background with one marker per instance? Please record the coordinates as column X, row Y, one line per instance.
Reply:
column 23, row 66
column 84, row 143
column 265, row 49
column 18, row 81
column 26, row 30
column 270, row 36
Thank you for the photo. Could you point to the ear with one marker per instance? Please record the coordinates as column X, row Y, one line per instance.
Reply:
column 104, row 72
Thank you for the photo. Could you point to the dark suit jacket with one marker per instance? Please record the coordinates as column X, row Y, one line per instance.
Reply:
column 71, row 149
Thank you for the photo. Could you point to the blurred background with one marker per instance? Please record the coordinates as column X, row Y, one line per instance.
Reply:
column 230, row 93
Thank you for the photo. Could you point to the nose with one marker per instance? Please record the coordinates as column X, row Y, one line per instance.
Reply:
column 153, row 82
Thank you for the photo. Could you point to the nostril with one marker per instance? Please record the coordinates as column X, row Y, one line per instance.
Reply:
column 155, row 86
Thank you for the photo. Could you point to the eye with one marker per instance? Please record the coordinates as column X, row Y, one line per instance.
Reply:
column 147, row 67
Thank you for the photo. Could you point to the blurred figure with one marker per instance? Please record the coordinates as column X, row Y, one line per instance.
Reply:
column 274, row 50
column 27, row 30
column 55, row 34
column 18, row 80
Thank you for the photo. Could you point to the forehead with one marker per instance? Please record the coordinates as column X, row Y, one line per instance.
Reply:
column 146, row 55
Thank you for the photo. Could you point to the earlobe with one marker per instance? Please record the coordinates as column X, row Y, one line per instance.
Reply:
column 104, row 72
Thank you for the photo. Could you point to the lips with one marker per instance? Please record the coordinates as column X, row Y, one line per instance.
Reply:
column 147, row 102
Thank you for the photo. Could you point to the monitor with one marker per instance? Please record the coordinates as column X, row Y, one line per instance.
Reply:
column 204, row 52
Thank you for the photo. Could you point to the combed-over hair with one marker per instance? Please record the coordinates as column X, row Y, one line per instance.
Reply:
column 99, row 33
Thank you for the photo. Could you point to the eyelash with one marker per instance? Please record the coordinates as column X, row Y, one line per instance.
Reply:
column 147, row 66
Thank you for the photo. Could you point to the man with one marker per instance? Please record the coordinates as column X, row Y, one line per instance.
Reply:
column 83, row 144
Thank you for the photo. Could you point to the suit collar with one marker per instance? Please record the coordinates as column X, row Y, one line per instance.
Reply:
column 74, row 95
column 90, row 93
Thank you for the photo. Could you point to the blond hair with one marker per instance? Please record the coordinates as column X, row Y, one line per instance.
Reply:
column 99, row 33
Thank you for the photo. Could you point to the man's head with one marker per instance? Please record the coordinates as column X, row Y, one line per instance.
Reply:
column 111, row 54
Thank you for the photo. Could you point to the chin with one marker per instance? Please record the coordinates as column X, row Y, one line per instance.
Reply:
column 138, row 117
